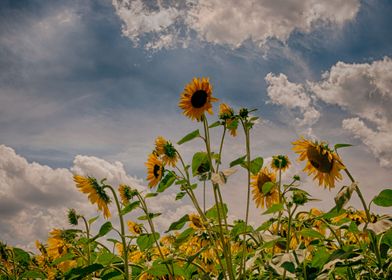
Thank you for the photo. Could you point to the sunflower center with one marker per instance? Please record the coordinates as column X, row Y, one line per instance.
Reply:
column 199, row 99
column 157, row 168
column 318, row 160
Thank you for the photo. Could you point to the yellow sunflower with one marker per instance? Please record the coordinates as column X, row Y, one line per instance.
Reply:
column 280, row 162
column 257, row 183
column 57, row 246
column 154, row 170
column 134, row 228
column 226, row 113
column 324, row 163
column 125, row 194
column 166, row 150
column 195, row 221
column 96, row 193
column 196, row 98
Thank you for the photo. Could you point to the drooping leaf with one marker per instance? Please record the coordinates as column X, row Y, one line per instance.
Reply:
column 92, row 220
column 180, row 195
column 274, row 208
column 145, row 241
column 200, row 163
column 384, row 198
column 308, row 232
column 152, row 194
column 177, row 225
column 166, row 182
column 130, row 207
column 238, row 161
column 338, row 146
column 255, row 165
column 189, row 137
column 105, row 228
column 215, row 124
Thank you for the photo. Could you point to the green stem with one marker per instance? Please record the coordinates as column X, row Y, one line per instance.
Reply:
column 122, row 235
column 220, row 149
column 88, row 242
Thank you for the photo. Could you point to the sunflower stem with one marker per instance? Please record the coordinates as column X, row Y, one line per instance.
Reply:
column 247, row 143
column 88, row 242
column 124, row 243
column 220, row 149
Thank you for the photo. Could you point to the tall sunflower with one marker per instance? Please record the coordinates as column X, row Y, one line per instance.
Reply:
column 154, row 170
column 257, row 183
column 280, row 162
column 96, row 193
column 196, row 98
column 324, row 163
column 125, row 194
column 166, row 151
column 226, row 113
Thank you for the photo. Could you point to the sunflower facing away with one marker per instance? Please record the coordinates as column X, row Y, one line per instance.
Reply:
column 166, row 151
column 154, row 170
column 226, row 113
column 280, row 162
column 258, row 181
column 134, row 228
column 324, row 163
column 125, row 194
column 196, row 98
column 96, row 193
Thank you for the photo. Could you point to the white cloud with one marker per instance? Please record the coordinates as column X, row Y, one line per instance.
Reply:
column 362, row 90
column 34, row 198
column 292, row 96
column 228, row 22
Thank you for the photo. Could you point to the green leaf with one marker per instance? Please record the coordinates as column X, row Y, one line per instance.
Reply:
column 308, row 232
column 267, row 187
column 256, row 165
column 238, row 161
column 158, row 270
column 107, row 258
column 265, row 225
column 320, row 257
column 212, row 213
column 215, row 124
column 344, row 195
column 145, row 241
column 184, row 235
column 180, row 195
column 150, row 215
column 387, row 238
column 21, row 256
column 289, row 266
column 338, row 146
column 64, row 258
column 239, row 228
column 166, row 182
column 200, row 163
column 384, row 198
column 274, row 208
column 179, row 224
column 112, row 275
column 151, row 194
column 80, row 273
column 92, row 220
column 189, row 137
column 130, row 207
column 33, row 274
column 105, row 228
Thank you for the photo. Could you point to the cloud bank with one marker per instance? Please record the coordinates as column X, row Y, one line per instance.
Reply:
column 363, row 91
column 229, row 22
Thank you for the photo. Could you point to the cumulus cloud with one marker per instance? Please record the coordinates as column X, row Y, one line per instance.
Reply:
column 228, row 22
column 362, row 90
column 292, row 96
column 34, row 198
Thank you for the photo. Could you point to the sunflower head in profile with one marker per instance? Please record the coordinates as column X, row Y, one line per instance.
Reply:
column 126, row 194
column 226, row 113
column 134, row 228
column 154, row 170
column 322, row 162
column 72, row 217
column 257, row 183
column 96, row 193
column 195, row 221
column 166, row 151
column 280, row 162
column 196, row 98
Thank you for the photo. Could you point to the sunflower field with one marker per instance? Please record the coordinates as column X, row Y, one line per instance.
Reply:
column 294, row 241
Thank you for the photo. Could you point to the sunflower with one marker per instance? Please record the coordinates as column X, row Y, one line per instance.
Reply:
column 324, row 163
column 96, row 193
column 226, row 113
column 57, row 246
column 154, row 170
column 134, row 228
column 166, row 150
column 280, row 162
column 196, row 98
column 126, row 194
column 258, row 181
column 195, row 221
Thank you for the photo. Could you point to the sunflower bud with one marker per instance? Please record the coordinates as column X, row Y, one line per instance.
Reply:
column 244, row 113
column 72, row 217
column 299, row 198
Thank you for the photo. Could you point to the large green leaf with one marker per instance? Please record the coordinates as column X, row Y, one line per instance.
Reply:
column 145, row 241
column 267, row 187
column 274, row 208
column 177, row 225
column 200, row 163
column 130, row 207
column 105, row 228
column 384, row 198
column 308, row 232
column 255, row 165
column 212, row 213
column 166, row 182
column 189, row 137
column 238, row 161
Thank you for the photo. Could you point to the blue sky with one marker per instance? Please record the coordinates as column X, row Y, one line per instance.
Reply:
column 88, row 82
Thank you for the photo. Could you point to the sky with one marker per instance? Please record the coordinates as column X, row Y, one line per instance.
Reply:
column 86, row 87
